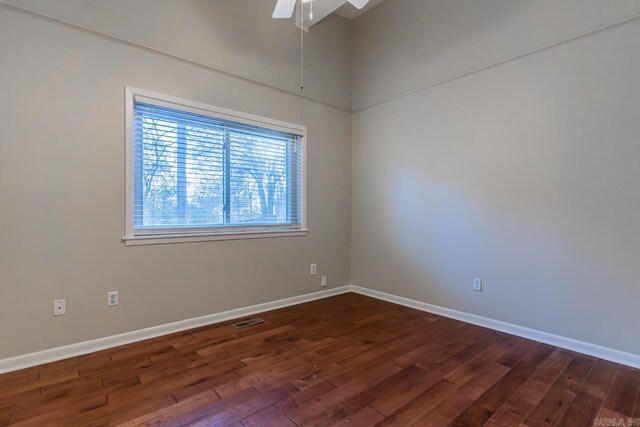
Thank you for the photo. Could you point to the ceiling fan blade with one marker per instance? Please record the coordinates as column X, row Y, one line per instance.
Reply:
column 359, row 3
column 284, row 9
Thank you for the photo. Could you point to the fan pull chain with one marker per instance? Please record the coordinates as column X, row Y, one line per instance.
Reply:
column 301, row 61
column 301, row 45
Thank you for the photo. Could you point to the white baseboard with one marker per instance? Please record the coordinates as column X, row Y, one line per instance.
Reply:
column 606, row 353
column 59, row 353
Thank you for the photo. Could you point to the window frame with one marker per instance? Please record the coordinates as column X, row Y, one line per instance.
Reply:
column 130, row 237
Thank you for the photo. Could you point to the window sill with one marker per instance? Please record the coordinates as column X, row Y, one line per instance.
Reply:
column 162, row 239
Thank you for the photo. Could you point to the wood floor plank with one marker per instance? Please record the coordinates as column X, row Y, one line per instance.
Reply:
column 347, row 360
column 326, row 405
column 245, row 405
column 267, row 415
column 485, row 377
column 622, row 395
column 388, row 387
column 636, row 409
column 421, row 405
column 181, row 413
column 12, row 402
column 415, row 386
column 517, row 353
column 588, row 401
column 472, row 368
column 553, row 406
column 486, row 405
column 365, row 417
column 518, row 407
column 282, row 421
column 48, row 415
column 444, row 413
column 120, row 413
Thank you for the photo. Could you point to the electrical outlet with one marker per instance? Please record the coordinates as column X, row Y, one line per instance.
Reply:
column 112, row 298
column 477, row 285
column 323, row 281
column 59, row 307
column 313, row 269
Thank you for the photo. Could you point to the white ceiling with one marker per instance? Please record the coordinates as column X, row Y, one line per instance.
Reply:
column 349, row 11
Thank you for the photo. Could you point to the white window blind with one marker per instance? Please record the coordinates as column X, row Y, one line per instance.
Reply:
column 197, row 173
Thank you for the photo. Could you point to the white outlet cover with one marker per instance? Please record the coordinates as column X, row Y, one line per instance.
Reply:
column 323, row 281
column 313, row 269
column 477, row 285
column 112, row 298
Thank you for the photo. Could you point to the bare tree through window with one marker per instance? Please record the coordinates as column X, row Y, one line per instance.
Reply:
column 198, row 172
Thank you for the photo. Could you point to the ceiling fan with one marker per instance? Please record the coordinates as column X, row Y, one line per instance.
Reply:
column 284, row 8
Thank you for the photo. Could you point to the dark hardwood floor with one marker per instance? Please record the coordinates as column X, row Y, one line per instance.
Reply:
column 346, row 360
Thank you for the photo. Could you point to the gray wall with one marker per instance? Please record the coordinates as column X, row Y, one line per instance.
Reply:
column 525, row 175
column 404, row 44
column 236, row 36
column 62, row 179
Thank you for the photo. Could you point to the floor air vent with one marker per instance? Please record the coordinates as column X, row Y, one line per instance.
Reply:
column 247, row 323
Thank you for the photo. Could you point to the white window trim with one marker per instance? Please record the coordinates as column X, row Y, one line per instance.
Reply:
column 131, row 239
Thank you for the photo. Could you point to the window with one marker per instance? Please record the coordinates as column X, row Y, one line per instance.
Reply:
column 198, row 172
